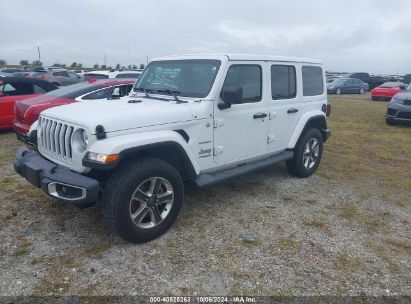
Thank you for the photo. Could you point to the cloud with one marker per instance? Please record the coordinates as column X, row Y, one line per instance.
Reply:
column 369, row 35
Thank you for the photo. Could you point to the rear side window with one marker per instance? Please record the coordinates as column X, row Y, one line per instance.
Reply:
column 128, row 75
column 249, row 78
column 16, row 89
column 312, row 81
column 95, row 76
column 60, row 73
column 283, row 83
column 106, row 93
column 37, row 89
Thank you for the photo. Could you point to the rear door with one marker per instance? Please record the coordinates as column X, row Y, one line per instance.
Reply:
column 284, row 104
column 240, row 132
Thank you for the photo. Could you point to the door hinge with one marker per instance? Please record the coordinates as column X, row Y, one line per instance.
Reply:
column 218, row 150
column 218, row 123
column 272, row 115
column 270, row 138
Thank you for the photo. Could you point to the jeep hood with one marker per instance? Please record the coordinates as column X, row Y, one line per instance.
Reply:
column 117, row 115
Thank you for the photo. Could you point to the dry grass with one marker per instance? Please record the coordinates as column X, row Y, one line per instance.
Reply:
column 364, row 150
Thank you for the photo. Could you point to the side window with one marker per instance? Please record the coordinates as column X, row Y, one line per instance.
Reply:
column 248, row 77
column 128, row 75
column 7, row 89
column 38, row 90
column 101, row 94
column 283, row 82
column 312, row 81
column 17, row 89
column 60, row 73
column 72, row 75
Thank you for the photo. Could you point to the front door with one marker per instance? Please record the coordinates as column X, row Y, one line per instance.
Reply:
column 240, row 132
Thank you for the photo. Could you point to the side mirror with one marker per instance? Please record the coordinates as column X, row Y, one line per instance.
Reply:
column 230, row 95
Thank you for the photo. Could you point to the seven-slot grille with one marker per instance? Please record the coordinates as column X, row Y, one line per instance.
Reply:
column 55, row 138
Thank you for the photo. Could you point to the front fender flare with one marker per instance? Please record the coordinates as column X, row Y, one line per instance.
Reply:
column 130, row 143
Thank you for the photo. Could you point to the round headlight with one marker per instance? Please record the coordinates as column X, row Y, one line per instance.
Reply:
column 80, row 140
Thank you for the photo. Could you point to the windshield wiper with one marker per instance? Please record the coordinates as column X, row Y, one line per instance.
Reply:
column 146, row 91
column 174, row 94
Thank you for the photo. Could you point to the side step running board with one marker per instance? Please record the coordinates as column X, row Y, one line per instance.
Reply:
column 208, row 179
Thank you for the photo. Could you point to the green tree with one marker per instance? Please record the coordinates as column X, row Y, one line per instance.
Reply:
column 134, row 67
column 96, row 66
column 79, row 65
column 24, row 62
column 37, row 63
column 62, row 65
column 118, row 66
column 73, row 65
column 3, row 62
column 142, row 66
column 103, row 67
column 56, row 64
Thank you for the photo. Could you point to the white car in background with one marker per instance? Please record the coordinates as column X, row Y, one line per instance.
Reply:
column 80, row 72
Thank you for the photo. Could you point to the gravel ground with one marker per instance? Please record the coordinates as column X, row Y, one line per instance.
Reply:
column 264, row 234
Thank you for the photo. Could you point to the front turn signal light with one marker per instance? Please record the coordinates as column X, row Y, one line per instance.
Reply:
column 103, row 158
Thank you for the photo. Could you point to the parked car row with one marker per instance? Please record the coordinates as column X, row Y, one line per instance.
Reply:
column 399, row 108
column 62, row 77
column 22, row 99
column 347, row 85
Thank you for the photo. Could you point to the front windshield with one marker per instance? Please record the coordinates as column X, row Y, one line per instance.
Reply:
column 187, row 78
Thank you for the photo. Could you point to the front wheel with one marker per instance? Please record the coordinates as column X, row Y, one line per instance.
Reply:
column 142, row 199
column 307, row 154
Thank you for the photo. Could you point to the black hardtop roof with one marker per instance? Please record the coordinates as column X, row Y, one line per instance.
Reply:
column 42, row 83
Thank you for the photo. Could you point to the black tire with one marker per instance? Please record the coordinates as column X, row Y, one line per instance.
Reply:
column 295, row 166
column 389, row 121
column 124, row 183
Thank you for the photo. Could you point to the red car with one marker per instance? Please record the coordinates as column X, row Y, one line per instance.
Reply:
column 387, row 90
column 13, row 89
column 27, row 111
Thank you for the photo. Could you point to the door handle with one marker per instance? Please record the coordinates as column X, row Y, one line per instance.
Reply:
column 260, row 115
column 293, row 110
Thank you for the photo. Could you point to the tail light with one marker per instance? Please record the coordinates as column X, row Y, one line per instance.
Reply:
column 27, row 74
column 326, row 108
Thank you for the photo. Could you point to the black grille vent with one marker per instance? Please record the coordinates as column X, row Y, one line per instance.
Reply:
column 391, row 112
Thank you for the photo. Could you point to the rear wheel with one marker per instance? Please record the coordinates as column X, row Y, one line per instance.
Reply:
column 307, row 154
column 142, row 199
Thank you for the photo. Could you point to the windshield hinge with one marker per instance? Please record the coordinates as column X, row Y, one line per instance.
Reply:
column 218, row 123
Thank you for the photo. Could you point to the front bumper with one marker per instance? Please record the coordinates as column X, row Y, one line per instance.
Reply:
column 57, row 181
column 381, row 97
column 398, row 112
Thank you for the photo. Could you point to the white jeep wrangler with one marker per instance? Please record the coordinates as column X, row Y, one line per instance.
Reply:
column 197, row 118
